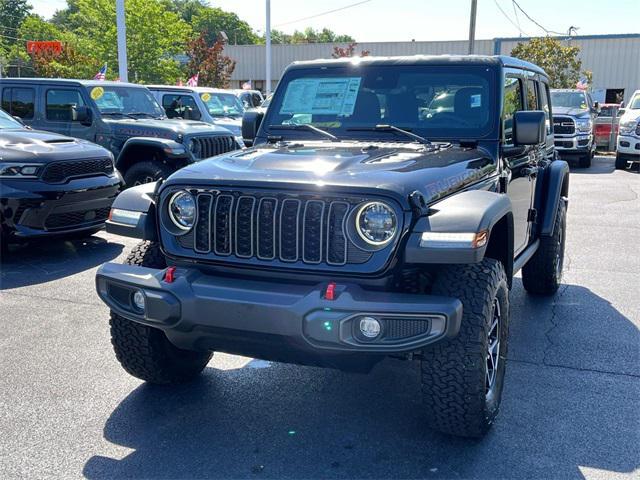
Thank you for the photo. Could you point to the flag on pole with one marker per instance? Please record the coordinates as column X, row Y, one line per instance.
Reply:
column 246, row 85
column 193, row 81
column 102, row 73
column 582, row 84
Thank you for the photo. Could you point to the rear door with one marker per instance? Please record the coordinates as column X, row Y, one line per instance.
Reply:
column 20, row 101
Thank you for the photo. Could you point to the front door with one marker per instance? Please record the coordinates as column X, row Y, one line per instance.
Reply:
column 58, row 113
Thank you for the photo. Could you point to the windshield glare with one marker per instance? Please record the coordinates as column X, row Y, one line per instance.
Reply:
column 222, row 104
column 635, row 103
column 7, row 121
column 431, row 101
column 569, row 100
column 125, row 101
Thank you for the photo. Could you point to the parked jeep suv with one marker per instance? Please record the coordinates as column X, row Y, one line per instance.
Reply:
column 51, row 185
column 360, row 225
column 573, row 124
column 123, row 117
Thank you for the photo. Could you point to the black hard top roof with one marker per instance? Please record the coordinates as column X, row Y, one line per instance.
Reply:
column 496, row 60
column 70, row 81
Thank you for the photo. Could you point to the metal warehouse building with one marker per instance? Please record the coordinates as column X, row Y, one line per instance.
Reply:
column 613, row 59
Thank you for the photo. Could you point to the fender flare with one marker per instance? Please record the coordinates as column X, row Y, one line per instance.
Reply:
column 556, row 189
column 467, row 212
column 172, row 150
column 133, row 213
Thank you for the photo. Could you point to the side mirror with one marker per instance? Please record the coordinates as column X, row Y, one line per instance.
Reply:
column 251, row 121
column 81, row 114
column 596, row 107
column 529, row 127
column 621, row 111
column 191, row 114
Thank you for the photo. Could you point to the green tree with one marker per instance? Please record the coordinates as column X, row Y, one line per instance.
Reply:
column 12, row 14
column 560, row 61
column 309, row 35
column 187, row 9
column 212, row 21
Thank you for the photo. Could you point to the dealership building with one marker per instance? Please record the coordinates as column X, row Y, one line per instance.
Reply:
column 613, row 59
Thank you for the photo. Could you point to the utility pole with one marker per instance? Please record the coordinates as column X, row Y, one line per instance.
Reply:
column 472, row 25
column 267, row 36
column 122, row 41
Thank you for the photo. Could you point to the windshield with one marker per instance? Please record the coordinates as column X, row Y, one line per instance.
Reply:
column 569, row 100
column 125, row 101
column 222, row 104
column 7, row 121
column 635, row 103
column 435, row 102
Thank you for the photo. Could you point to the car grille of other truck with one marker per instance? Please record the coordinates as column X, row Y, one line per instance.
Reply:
column 278, row 230
column 58, row 172
column 563, row 125
column 205, row 147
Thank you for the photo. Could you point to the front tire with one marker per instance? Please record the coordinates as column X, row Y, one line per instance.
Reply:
column 585, row 160
column 145, row 352
column 621, row 163
column 146, row 172
column 462, row 378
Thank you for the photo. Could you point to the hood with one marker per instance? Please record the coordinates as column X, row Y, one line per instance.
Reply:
column 399, row 169
column 21, row 144
column 232, row 124
column 631, row 115
column 571, row 111
column 171, row 129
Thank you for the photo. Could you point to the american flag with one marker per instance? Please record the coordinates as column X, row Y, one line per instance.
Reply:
column 246, row 85
column 582, row 84
column 102, row 73
column 193, row 81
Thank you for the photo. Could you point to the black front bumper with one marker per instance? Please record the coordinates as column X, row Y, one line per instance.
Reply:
column 277, row 321
column 32, row 208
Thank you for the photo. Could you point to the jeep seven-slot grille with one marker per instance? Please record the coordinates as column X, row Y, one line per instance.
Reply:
column 57, row 172
column 563, row 125
column 274, row 227
column 205, row 147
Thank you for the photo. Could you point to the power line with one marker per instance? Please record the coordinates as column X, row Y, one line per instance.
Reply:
column 515, row 14
column 509, row 18
column 533, row 21
column 322, row 13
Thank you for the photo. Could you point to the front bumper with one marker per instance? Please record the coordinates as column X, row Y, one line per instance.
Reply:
column 288, row 322
column 629, row 146
column 32, row 208
column 573, row 144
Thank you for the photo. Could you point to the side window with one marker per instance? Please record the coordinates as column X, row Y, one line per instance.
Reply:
column 512, row 103
column 19, row 102
column 60, row 104
column 532, row 95
column 544, row 104
column 180, row 106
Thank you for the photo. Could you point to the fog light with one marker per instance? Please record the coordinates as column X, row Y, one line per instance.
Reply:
column 138, row 300
column 369, row 327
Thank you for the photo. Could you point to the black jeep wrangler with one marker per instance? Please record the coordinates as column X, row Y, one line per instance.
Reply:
column 123, row 117
column 383, row 211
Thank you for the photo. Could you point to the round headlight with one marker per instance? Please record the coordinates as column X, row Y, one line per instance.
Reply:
column 182, row 210
column 376, row 223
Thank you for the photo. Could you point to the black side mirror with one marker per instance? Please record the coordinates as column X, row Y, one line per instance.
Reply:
column 596, row 107
column 191, row 114
column 621, row 111
column 529, row 127
column 81, row 114
column 251, row 121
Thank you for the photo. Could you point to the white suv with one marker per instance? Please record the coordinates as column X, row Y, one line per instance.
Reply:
column 628, row 147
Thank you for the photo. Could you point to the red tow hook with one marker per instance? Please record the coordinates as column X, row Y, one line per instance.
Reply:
column 330, row 292
column 170, row 275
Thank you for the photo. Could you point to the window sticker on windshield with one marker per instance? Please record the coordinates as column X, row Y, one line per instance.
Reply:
column 321, row 96
column 97, row 92
column 476, row 101
column 205, row 97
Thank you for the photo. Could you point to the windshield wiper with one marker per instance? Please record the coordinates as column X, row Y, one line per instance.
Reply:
column 391, row 128
column 136, row 114
column 305, row 126
column 119, row 114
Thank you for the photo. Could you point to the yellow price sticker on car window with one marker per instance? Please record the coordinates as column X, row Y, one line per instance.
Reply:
column 97, row 92
column 205, row 97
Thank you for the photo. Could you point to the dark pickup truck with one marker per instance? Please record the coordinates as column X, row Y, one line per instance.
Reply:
column 123, row 117
column 369, row 219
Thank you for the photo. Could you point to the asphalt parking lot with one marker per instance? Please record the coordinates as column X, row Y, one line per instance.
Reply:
column 570, row 407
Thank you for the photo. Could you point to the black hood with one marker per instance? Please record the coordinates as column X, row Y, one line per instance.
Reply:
column 21, row 144
column 162, row 128
column 393, row 169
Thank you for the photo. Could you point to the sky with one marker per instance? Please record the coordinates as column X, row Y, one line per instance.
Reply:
column 403, row 20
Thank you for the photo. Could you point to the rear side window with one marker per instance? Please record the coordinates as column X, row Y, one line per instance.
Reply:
column 60, row 104
column 180, row 106
column 544, row 105
column 19, row 102
column 512, row 102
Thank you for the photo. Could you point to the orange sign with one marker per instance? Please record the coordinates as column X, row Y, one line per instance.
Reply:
column 37, row 47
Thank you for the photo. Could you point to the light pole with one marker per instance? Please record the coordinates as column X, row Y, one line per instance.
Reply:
column 472, row 25
column 267, row 35
column 122, row 41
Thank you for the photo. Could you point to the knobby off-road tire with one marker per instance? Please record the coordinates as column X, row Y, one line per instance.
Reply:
column 458, row 396
column 146, row 172
column 542, row 274
column 145, row 352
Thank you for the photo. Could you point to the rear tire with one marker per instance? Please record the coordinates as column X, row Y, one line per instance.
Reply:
column 542, row 274
column 462, row 378
column 146, row 172
column 145, row 352
column 621, row 163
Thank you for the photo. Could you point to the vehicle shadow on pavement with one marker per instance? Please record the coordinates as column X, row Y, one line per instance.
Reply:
column 301, row 422
column 46, row 260
column 600, row 165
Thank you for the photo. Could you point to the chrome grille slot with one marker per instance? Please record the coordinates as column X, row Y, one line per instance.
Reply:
column 222, row 225
column 266, row 234
column 244, row 227
column 289, row 230
column 312, row 231
column 202, row 231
